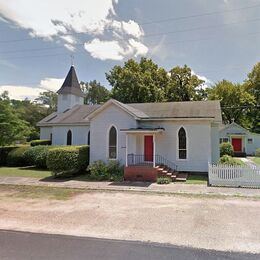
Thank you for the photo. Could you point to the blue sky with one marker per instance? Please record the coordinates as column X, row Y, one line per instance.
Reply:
column 217, row 39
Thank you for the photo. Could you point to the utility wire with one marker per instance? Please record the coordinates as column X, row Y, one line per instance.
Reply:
column 200, row 15
column 201, row 28
column 151, row 22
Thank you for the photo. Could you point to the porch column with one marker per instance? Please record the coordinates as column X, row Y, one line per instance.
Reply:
column 126, row 149
column 154, row 150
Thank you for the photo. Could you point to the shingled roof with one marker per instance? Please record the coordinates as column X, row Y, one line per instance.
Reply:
column 71, row 84
column 73, row 116
column 167, row 110
column 81, row 114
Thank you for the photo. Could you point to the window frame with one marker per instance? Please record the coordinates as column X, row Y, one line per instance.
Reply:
column 70, row 137
column 178, row 149
column 108, row 139
column 250, row 141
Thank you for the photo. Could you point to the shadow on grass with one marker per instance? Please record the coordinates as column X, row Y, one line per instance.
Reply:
column 32, row 168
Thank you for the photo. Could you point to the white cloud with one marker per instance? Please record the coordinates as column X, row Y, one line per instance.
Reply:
column 21, row 92
column 52, row 84
column 130, row 28
column 61, row 20
column 25, row 92
column 48, row 18
column 115, row 50
column 104, row 50
column 138, row 48
column 207, row 83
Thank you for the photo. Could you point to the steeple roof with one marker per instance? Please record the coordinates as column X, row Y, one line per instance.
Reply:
column 71, row 84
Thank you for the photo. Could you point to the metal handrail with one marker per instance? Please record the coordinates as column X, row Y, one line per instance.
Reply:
column 141, row 159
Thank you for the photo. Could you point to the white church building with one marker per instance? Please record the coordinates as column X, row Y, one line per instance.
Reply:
column 182, row 135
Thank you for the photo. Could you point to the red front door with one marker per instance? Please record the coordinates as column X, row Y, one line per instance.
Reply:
column 237, row 144
column 148, row 148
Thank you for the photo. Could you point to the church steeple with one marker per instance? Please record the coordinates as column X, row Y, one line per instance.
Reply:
column 70, row 93
column 71, row 84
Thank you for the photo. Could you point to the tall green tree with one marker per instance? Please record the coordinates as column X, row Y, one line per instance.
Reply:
column 48, row 98
column 32, row 113
column 235, row 101
column 142, row 81
column 12, row 127
column 184, row 85
column 95, row 92
column 252, row 86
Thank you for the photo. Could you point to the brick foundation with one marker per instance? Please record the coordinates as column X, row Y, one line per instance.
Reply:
column 140, row 173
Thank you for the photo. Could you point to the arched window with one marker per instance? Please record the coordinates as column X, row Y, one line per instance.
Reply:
column 88, row 137
column 182, row 144
column 69, row 137
column 112, row 143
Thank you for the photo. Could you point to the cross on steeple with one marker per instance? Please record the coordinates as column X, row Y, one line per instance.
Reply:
column 72, row 59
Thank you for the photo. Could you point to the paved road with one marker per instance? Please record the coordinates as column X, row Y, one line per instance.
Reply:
column 23, row 245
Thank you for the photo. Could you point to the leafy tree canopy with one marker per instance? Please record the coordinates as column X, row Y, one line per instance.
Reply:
column 95, row 92
column 234, row 100
column 142, row 81
column 184, row 85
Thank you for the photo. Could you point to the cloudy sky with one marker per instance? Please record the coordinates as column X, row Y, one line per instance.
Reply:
column 217, row 39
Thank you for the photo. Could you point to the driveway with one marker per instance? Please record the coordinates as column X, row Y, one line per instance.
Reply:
column 221, row 224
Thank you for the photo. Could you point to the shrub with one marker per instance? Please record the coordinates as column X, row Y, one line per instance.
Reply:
column 68, row 159
column 226, row 159
column 37, row 156
column 4, row 151
column 163, row 180
column 17, row 158
column 226, row 149
column 100, row 171
column 40, row 142
column 257, row 152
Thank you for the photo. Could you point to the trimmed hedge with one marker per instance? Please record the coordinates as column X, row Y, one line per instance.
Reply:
column 4, row 151
column 16, row 157
column 257, row 152
column 37, row 155
column 226, row 149
column 68, row 159
column 40, row 142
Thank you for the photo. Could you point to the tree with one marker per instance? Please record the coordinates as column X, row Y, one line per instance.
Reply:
column 12, row 128
column 235, row 101
column 32, row 113
column 95, row 92
column 252, row 86
column 48, row 98
column 184, row 86
column 142, row 81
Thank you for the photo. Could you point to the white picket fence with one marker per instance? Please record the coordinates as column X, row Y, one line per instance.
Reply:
column 234, row 176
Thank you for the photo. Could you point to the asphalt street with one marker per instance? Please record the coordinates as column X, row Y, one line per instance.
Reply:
column 24, row 245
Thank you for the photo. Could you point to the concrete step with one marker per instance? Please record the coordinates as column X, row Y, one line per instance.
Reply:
column 181, row 177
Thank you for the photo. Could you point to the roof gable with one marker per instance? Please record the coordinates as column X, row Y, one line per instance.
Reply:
column 130, row 110
column 234, row 125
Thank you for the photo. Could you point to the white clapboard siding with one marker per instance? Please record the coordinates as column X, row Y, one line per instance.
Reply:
column 234, row 176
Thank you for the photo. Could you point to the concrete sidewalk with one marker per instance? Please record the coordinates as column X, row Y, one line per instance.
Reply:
column 173, row 188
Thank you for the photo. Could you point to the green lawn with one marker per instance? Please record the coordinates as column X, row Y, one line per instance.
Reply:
column 256, row 160
column 197, row 179
column 240, row 162
column 24, row 172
